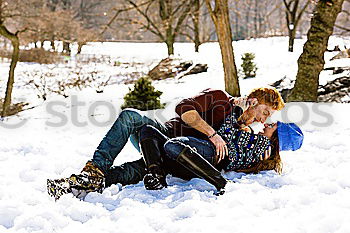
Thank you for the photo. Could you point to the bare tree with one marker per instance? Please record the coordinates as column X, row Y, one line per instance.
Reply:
column 195, row 19
column 71, row 21
column 206, row 25
column 193, row 30
column 166, row 24
column 198, row 28
column 269, row 23
column 220, row 16
column 311, row 61
column 32, row 21
column 255, row 18
column 10, row 10
column 92, row 17
column 293, row 16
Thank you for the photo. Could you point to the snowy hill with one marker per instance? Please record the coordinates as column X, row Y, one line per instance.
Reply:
column 311, row 196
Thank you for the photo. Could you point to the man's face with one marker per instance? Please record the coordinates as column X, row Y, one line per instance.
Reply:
column 258, row 113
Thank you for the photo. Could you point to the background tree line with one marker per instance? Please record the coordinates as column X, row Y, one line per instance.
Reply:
column 198, row 21
column 120, row 20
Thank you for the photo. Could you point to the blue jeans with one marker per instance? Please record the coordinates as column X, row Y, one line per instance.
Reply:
column 206, row 149
column 127, row 125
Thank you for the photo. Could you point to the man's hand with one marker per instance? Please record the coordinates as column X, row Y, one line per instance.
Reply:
column 245, row 103
column 220, row 145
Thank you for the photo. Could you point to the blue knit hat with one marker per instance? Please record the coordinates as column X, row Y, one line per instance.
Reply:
column 290, row 136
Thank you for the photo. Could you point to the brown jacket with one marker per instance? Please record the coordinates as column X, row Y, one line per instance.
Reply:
column 212, row 105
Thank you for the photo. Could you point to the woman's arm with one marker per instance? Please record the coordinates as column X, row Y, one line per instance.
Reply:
column 245, row 149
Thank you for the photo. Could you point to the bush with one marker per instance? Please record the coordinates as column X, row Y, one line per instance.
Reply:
column 40, row 55
column 143, row 96
column 248, row 66
column 37, row 55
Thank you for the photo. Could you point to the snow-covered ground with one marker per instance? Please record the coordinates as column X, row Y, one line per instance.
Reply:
column 57, row 137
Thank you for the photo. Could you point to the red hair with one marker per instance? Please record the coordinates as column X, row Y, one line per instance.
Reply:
column 269, row 96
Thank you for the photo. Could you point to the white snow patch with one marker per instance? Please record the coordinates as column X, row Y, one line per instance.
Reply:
column 312, row 194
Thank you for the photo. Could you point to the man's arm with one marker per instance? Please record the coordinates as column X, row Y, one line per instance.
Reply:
column 193, row 119
column 202, row 102
column 189, row 109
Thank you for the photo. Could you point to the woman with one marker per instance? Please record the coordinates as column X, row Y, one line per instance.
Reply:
column 247, row 152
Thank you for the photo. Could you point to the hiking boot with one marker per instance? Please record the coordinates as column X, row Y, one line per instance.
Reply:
column 90, row 179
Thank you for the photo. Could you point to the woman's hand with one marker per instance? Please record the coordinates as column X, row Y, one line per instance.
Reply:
column 267, row 154
column 220, row 145
column 246, row 129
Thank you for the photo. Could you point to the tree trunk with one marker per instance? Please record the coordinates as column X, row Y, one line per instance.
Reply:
column 237, row 23
column 15, row 56
column 165, row 9
column 247, row 26
column 293, row 18
column 223, row 29
column 291, row 34
column 196, row 26
column 52, row 44
column 256, row 19
column 66, row 48
column 170, row 46
column 311, row 61
column 170, row 40
column 80, row 46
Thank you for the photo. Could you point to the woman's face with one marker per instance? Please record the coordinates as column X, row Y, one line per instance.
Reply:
column 269, row 129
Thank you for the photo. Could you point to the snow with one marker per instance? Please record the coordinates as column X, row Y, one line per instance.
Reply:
column 312, row 194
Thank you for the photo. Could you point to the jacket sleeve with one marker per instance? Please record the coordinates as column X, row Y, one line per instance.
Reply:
column 243, row 146
column 203, row 102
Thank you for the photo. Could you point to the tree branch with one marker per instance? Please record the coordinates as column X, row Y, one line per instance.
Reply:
column 149, row 20
column 143, row 26
column 187, row 35
column 301, row 12
column 117, row 14
column 178, row 8
column 295, row 7
column 211, row 12
column 342, row 27
column 183, row 17
column 287, row 5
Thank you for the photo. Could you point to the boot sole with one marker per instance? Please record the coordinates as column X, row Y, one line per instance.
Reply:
column 57, row 188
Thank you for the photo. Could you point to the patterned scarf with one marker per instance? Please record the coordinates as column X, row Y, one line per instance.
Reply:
column 244, row 149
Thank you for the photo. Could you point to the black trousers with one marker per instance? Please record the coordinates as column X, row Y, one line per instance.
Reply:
column 133, row 172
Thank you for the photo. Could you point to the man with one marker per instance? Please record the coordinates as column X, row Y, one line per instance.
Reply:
column 202, row 115
column 199, row 116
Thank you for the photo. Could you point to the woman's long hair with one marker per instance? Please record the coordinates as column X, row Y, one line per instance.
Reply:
column 272, row 163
